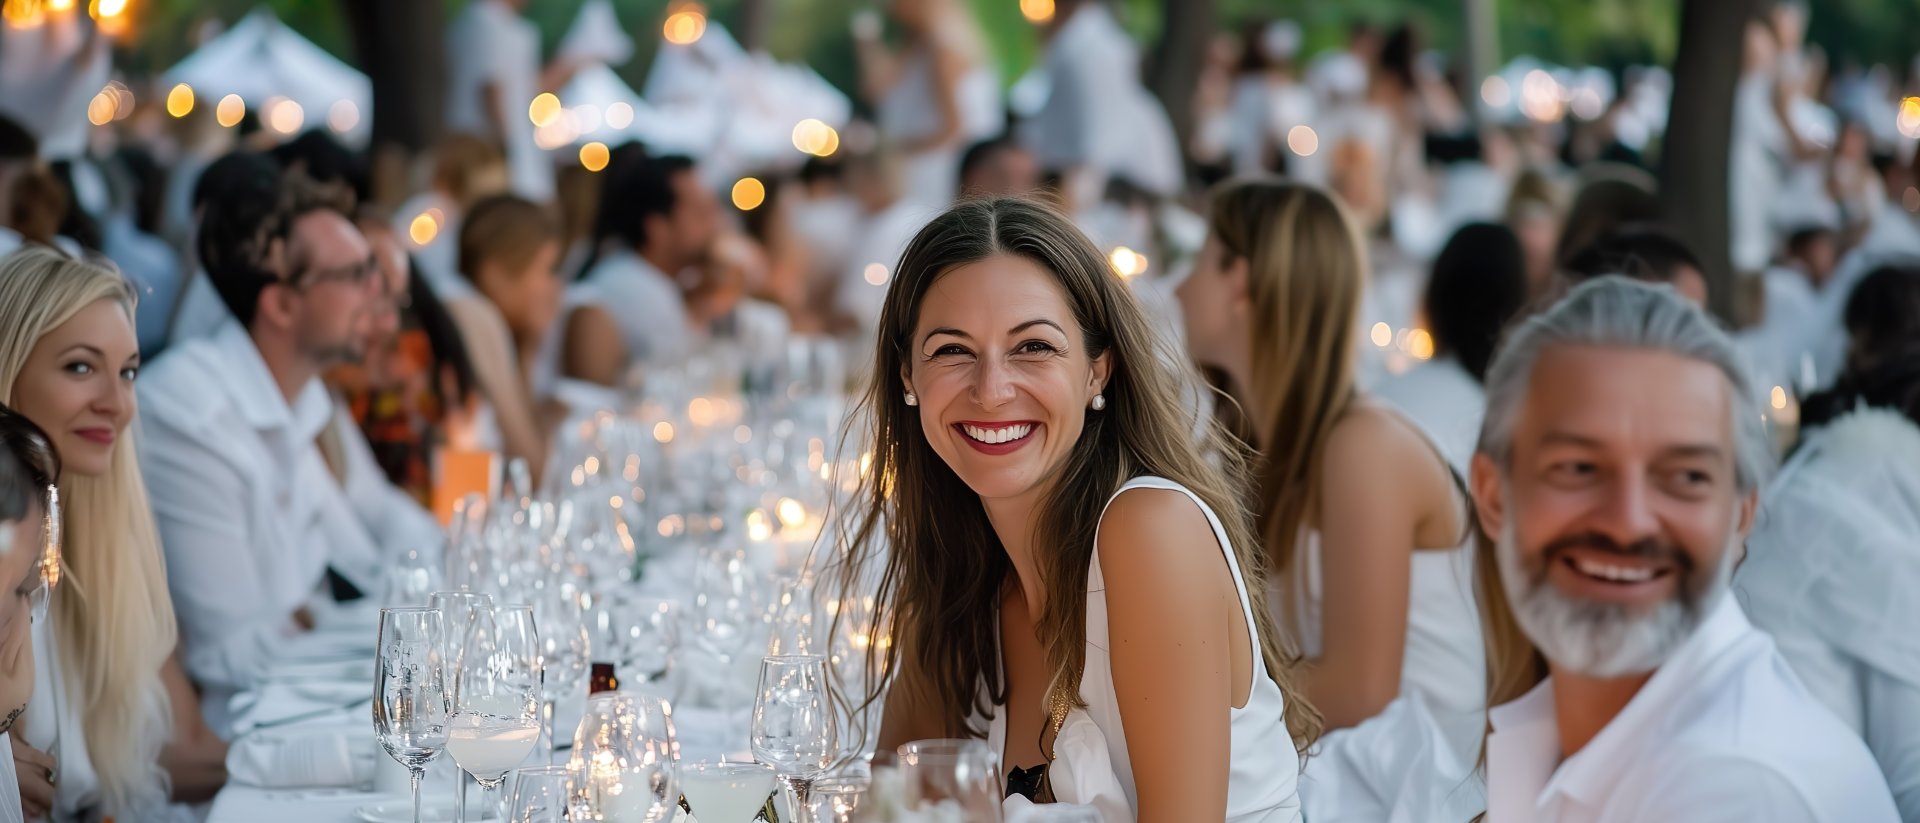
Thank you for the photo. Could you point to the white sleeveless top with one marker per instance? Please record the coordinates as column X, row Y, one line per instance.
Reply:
column 1091, row 765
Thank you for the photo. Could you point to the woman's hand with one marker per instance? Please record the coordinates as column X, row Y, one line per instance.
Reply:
column 35, row 769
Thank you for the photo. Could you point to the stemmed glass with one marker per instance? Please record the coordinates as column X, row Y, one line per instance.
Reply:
column 496, row 699
column 622, row 765
column 410, row 707
column 539, row 795
column 726, row 792
column 564, row 652
column 456, row 610
column 794, row 730
column 964, row 773
column 727, row 609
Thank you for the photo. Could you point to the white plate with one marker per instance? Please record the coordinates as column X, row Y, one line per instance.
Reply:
column 401, row 811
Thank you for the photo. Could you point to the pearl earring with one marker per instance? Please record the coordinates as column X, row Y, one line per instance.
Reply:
column 1099, row 402
column 912, row 400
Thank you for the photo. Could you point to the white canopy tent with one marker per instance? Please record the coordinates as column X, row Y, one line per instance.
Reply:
column 261, row 59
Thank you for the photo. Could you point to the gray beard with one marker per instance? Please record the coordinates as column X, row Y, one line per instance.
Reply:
column 1605, row 640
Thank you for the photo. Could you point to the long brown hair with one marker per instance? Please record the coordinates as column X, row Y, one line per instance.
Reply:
column 1306, row 272
column 917, row 529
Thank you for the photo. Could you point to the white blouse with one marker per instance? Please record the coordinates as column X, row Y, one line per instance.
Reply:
column 1091, row 765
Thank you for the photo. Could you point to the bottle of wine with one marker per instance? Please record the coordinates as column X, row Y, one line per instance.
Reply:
column 602, row 679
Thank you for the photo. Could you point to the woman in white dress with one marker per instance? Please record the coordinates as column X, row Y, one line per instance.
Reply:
column 1064, row 571
column 28, row 468
column 113, row 708
column 935, row 97
column 1365, row 524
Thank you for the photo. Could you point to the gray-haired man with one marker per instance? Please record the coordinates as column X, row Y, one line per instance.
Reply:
column 1618, row 468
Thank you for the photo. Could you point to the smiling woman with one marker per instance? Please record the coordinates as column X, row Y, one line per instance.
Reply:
column 1021, row 403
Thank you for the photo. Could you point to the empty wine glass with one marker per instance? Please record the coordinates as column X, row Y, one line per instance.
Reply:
column 622, row 764
column 411, row 582
column 727, row 607
column 961, row 773
column 410, row 706
column 798, row 628
column 496, row 701
column 793, row 725
column 539, row 795
column 638, row 635
column 726, row 792
column 837, row 799
column 564, row 652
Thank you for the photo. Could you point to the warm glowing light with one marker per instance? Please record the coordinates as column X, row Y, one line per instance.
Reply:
column 594, row 156
column 1382, row 335
column 23, row 14
column 815, row 138
column 101, row 109
column 619, row 116
column 791, row 513
column 663, row 432
column 1126, row 262
column 685, row 27
column 1909, row 121
column 342, row 116
column 553, row 135
column 230, row 110
column 749, row 193
column 1541, row 98
column 423, row 229
column 544, row 109
column 1778, row 397
column 875, row 274
column 1495, row 92
column 701, row 412
column 759, row 528
column 180, row 100
column 285, row 116
column 59, row 5
column 109, row 8
column 1303, row 141
column 1420, row 344
column 1036, row 11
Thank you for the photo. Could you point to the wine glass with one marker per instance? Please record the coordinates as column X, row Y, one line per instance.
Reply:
column 726, row 792
column 564, row 652
column 797, row 628
column 496, row 701
column 410, row 707
column 622, row 765
column 638, row 635
column 837, row 799
column 727, row 611
column 539, row 795
column 964, row 773
column 456, row 610
column 794, row 730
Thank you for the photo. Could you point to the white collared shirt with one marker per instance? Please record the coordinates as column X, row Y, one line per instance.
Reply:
column 644, row 302
column 249, row 514
column 1722, row 732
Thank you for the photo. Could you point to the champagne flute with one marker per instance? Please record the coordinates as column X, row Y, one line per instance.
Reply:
column 539, row 795
column 410, row 707
column 794, row 730
column 496, row 700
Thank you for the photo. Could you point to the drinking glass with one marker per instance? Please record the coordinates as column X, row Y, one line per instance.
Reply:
column 539, row 795
column 411, row 582
column 564, row 652
column 496, row 701
column 456, row 610
column 964, row 773
column 726, row 792
column 726, row 603
column 837, row 799
column 797, row 626
column 793, row 725
column 638, row 635
column 410, row 707
column 622, row 764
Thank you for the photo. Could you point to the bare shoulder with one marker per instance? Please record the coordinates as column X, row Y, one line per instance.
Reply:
column 1376, row 442
column 1152, row 537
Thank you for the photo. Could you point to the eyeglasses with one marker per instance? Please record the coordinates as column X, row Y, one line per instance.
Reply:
column 353, row 274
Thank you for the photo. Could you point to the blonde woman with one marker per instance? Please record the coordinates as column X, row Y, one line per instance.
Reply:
column 108, row 690
column 1364, row 522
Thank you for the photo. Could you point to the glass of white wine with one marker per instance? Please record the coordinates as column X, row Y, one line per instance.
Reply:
column 726, row 792
column 496, row 699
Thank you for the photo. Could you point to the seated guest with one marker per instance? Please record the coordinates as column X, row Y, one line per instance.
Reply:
column 629, row 308
column 508, row 248
column 1882, row 312
column 250, row 512
column 999, row 167
column 247, row 182
column 1048, row 529
column 115, row 710
column 1643, row 253
column 465, row 169
column 1478, row 284
column 414, row 391
column 1365, row 523
column 1616, row 478
column 28, row 469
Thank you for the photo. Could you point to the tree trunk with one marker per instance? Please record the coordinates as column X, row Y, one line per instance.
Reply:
column 401, row 45
column 1483, row 51
column 1694, row 156
column 1173, row 73
column 754, row 18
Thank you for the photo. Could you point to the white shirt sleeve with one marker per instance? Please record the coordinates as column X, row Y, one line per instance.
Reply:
column 1893, row 735
column 200, row 508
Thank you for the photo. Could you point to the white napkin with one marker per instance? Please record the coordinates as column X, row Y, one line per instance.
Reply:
column 1018, row 809
column 298, row 758
column 1082, row 770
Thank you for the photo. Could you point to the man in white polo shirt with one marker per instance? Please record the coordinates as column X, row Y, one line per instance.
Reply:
column 1618, row 466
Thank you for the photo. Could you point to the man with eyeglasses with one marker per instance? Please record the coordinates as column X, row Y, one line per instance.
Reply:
column 252, row 512
column 28, row 503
